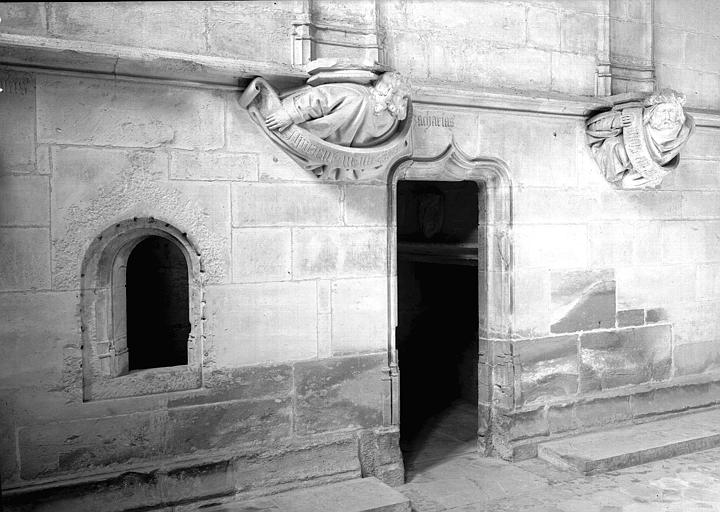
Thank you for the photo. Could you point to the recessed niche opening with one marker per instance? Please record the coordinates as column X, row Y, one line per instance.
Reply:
column 157, row 305
column 438, row 316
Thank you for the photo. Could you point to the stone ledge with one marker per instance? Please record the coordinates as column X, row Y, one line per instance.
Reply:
column 54, row 54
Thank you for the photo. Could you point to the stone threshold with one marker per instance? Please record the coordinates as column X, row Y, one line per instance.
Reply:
column 637, row 444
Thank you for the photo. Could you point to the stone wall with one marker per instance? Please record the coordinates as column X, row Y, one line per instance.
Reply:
column 686, row 49
column 616, row 294
column 293, row 280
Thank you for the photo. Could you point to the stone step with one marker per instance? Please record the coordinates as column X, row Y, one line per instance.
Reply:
column 636, row 444
column 358, row 495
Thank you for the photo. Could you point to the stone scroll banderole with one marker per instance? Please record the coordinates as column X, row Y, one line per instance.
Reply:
column 637, row 143
column 337, row 130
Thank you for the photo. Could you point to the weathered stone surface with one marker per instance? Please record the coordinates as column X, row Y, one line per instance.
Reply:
column 546, row 368
column 359, row 315
column 677, row 397
column 602, row 411
column 543, row 27
column 250, row 382
column 226, row 425
column 630, row 317
column 17, row 140
column 582, row 300
column 24, row 259
column 260, row 323
column 286, row 205
column 572, row 73
column 693, row 358
column 261, row 254
column 34, row 329
column 527, row 424
column 561, row 418
column 259, row 31
column 339, row 252
column 213, row 166
column 24, row 201
column 635, row 444
column 94, row 188
column 358, row 495
column 365, row 205
column 655, row 315
column 613, row 244
column 531, row 206
column 379, row 453
column 625, row 356
column 640, row 205
column 117, row 113
column 336, row 458
column 574, row 30
column 88, row 443
column 652, row 285
column 23, row 18
column 340, row 393
column 552, row 246
column 172, row 27
column 532, row 302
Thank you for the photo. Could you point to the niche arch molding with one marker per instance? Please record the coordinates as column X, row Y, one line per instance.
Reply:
column 104, row 318
column 495, row 279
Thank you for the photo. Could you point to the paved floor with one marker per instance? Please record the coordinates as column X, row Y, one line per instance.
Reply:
column 445, row 474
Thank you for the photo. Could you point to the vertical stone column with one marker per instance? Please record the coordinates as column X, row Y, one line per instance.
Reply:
column 631, row 46
column 325, row 29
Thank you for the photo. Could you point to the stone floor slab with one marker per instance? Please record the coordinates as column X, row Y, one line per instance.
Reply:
column 357, row 495
column 598, row 452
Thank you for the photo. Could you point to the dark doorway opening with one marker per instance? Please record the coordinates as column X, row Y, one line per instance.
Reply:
column 437, row 335
column 157, row 304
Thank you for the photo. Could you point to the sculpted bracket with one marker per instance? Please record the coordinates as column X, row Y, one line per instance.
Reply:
column 638, row 142
column 349, row 122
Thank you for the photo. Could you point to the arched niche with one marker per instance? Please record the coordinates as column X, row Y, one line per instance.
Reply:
column 106, row 372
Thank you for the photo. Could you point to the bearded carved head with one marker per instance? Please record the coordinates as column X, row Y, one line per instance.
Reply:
column 391, row 93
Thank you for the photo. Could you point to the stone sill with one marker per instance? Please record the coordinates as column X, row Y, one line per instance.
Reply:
column 62, row 55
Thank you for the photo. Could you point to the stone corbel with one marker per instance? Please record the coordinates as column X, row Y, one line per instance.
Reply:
column 330, row 160
column 638, row 141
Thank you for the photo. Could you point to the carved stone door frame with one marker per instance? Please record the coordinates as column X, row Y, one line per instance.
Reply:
column 495, row 279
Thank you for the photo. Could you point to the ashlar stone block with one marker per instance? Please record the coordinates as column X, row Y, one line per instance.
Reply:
column 34, row 328
column 262, row 323
column 582, row 300
column 24, row 201
column 98, row 112
column 339, row 252
column 179, row 26
column 334, row 394
column 213, row 166
column 545, row 368
column 24, row 259
column 610, row 359
column 359, row 315
column 17, row 138
column 286, row 205
column 261, row 254
column 23, row 18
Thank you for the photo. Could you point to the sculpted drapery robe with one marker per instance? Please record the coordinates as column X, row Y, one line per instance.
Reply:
column 606, row 141
column 342, row 114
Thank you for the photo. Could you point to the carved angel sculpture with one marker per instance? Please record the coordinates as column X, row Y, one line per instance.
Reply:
column 636, row 144
column 348, row 114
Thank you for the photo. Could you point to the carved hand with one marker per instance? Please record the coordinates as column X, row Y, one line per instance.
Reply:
column 278, row 120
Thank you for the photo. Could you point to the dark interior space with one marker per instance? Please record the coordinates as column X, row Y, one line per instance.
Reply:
column 437, row 335
column 157, row 304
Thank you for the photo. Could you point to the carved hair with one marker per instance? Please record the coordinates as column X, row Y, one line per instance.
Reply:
column 397, row 82
column 665, row 96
